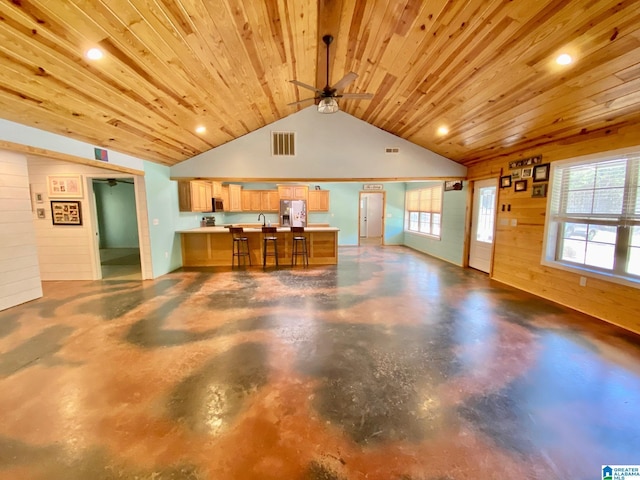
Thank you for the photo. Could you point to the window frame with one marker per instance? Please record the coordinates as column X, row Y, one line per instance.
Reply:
column 432, row 213
column 556, row 219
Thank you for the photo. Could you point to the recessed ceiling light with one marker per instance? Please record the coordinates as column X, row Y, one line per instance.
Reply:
column 564, row 59
column 443, row 130
column 201, row 129
column 94, row 54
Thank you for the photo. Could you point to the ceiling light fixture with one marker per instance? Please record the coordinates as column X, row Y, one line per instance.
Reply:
column 328, row 105
column 564, row 59
column 201, row 129
column 94, row 54
column 443, row 130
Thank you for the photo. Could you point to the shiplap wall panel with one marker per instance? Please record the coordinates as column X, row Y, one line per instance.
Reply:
column 518, row 249
column 19, row 272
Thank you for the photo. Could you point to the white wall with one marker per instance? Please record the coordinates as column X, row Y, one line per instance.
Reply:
column 327, row 147
column 19, row 272
column 68, row 252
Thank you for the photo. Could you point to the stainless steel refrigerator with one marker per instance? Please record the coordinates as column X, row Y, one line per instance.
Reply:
column 293, row 213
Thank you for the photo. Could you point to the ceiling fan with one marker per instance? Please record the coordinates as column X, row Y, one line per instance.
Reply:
column 327, row 96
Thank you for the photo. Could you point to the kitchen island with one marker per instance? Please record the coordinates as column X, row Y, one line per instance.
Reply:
column 212, row 246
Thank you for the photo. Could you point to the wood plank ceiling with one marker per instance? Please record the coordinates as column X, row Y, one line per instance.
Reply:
column 484, row 68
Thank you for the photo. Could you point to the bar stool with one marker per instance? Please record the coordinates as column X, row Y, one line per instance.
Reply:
column 269, row 237
column 299, row 246
column 240, row 246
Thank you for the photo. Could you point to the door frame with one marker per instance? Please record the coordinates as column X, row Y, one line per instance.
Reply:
column 384, row 208
column 143, row 240
column 469, row 221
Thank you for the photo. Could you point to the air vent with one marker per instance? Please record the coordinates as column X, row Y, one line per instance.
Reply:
column 283, row 144
column 392, row 150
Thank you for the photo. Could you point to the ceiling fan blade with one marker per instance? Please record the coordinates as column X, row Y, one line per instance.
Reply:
column 302, row 101
column 359, row 96
column 304, row 85
column 345, row 81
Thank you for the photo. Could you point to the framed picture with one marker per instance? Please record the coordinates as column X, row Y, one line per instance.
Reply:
column 66, row 212
column 40, row 212
column 541, row 173
column 515, row 175
column 68, row 186
column 521, row 186
column 505, row 182
column 539, row 191
column 527, row 172
column 39, row 198
column 452, row 185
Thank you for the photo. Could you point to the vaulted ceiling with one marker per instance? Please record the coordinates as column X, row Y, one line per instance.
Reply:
column 486, row 69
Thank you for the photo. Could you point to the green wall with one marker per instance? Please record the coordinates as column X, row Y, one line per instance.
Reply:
column 450, row 246
column 162, row 210
column 116, row 209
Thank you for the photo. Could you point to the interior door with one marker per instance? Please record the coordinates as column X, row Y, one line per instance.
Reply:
column 374, row 215
column 363, row 215
column 483, row 224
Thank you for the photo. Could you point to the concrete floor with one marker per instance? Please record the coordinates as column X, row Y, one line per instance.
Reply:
column 391, row 365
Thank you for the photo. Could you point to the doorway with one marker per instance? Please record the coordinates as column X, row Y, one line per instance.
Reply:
column 116, row 229
column 371, row 218
column 483, row 223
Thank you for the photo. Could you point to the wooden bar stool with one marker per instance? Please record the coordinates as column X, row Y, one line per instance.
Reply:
column 240, row 246
column 269, row 237
column 299, row 246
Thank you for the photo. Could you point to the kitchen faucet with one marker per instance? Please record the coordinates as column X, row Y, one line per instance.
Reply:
column 263, row 219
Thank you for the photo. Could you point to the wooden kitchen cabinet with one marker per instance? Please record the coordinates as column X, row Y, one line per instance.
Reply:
column 260, row 201
column 293, row 192
column 235, row 198
column 270, row 201
column 318, row 201
column 216, row 189
column 251, row 201
column 194, row 196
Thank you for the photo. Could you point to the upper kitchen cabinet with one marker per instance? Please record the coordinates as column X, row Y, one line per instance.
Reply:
column 260, row 201
column 293, row 192
column 194, row 196
column 318, row 201
column 235, row 198
column 216, row 190
column 270, row 200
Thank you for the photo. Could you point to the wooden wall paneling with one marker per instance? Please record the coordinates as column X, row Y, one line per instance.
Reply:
column 518, row 250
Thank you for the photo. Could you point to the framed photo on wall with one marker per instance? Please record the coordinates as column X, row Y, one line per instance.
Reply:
column 505, row 182
column 521, row 186
column 66, row 212
column 67, row 186
column 541, row 173
column 539, row 191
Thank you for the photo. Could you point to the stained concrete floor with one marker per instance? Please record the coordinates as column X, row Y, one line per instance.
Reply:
column 391, row 365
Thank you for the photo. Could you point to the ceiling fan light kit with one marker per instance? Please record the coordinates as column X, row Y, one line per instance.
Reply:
column 326, row 97
column 328, row 105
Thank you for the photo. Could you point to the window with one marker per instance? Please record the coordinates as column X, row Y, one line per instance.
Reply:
column 594, row 221
column 424, row 210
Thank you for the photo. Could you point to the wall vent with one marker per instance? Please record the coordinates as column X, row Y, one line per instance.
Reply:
column 391, row 150
column 283, row 144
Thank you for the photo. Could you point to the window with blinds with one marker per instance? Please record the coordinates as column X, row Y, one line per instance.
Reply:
column 594, row 216
column 423, row 210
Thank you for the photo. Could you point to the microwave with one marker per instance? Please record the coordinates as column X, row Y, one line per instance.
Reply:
column 217, row 205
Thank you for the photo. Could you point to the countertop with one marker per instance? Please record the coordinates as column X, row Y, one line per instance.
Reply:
column 223, row 229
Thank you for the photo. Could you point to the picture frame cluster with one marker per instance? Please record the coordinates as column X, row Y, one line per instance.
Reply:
column 519, row 179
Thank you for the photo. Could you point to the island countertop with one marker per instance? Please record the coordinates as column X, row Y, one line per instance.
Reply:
column 213, row 246
column 225, row 229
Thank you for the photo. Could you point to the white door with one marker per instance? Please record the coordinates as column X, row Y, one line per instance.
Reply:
column 363, row 215
column 483, row 224
column 374, row 215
